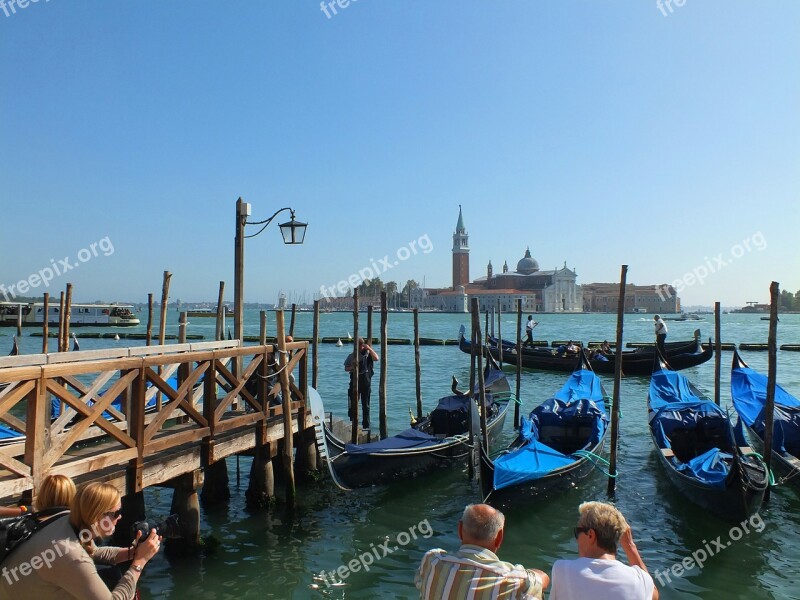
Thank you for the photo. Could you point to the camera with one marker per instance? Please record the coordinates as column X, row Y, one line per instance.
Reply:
column 168, row 528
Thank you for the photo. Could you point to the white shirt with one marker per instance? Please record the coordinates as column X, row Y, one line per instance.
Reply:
column 661, row 327
column 586, row 578
column 529, row 325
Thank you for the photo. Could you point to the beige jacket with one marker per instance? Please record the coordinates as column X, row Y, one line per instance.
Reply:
column 52, row 565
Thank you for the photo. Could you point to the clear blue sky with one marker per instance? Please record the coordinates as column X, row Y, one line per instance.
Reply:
column 598, row 133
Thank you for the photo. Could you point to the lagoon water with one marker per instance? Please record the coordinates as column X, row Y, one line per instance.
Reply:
column 267, row 554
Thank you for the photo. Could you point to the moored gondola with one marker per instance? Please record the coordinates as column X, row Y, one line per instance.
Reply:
column 749, row 395
column 697, row 447
column 559, row 443
column 438, row 440
column 633, row 363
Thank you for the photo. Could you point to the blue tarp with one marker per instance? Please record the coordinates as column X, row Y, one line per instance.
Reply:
column 749, row 394
column 410, row 438
column 711, row 467
column 578, row 404
column 582, row 384
column 670, row 386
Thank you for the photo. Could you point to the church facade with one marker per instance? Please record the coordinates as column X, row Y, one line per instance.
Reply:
column 540, row 291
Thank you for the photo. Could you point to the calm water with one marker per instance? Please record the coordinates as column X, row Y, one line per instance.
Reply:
column 268, row 555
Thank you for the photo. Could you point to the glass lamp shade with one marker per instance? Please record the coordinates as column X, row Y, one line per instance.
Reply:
column 293, row 232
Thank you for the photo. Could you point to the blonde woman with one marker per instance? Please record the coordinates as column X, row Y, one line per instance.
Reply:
column 58, row 561
column 56, row 490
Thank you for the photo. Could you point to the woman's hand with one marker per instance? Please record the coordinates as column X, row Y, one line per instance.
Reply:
column 146, row 548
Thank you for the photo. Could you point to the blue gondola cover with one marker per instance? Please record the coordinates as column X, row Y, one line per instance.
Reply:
column 749, row 393
column 580, row 402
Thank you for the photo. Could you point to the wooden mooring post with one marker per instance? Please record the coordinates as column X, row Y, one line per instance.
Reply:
column 59, row 345
column 772, row 375
column 45, row 322
column 219, row 331
column 315, row 347
column 149, row 334
column 261, row 489
column 417, row 370
column 286, row 394
column 612, row 468
column 384, row 366
column 717, row 352
column 67, row 316
column 354, row 375
column 517, row 399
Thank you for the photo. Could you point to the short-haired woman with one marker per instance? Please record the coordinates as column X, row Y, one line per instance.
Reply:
column 56, row 490
column 61, row 556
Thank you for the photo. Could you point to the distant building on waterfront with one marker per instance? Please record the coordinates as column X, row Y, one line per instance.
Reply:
column 540, row 291
column 653, row 299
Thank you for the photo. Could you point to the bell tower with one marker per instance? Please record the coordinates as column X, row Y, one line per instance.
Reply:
column 460, row 253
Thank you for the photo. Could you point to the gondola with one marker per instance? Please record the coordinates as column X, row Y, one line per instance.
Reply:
column 678, row 347
column 749, row 395
column 633, row 363
column 558, row 444
column 696, row 446
column 437, row 440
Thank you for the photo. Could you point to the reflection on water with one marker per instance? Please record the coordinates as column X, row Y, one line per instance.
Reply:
column 267, row 555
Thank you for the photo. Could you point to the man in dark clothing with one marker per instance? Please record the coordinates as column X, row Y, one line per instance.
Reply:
column 366, row 357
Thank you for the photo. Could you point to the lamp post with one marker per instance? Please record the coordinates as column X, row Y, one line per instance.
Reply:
column 293, row 232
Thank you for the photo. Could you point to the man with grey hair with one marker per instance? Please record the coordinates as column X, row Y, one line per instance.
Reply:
column 475, row 571
column 597, row 573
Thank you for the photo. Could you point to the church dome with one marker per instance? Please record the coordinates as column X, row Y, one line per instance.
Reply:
column 527, row 265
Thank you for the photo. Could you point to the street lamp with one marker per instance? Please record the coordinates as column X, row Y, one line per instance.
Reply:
column 293, row 232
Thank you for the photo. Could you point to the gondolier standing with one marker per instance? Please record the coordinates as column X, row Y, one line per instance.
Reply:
column 366, row 357
column 529, row 331
column 661, row 334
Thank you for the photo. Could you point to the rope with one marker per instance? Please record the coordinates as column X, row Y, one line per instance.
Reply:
column 595, row 459
column 510, row 396
column 761, row 458
column 793, row 473
column 611, row 404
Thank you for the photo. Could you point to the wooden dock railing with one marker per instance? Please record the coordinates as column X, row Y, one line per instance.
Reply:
column 114, row 416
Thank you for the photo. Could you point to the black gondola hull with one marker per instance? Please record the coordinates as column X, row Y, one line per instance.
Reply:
column 366, row 469
column 632, row 364
column 737, row 501
column 787, row 468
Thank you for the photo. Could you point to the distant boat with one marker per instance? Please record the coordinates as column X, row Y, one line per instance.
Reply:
column 109, row 315
column 14, row 348
column 767, row 318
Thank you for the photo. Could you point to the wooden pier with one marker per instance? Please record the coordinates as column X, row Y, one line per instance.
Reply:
column 158, row 435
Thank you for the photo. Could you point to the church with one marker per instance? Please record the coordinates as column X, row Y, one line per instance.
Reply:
column 540, row 291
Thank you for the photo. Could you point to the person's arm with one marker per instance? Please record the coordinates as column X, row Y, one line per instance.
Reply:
column 13, row 511
column 112, row 555
column 348, row 363
column 372, row 352
column 543, row 577
column 632, row 553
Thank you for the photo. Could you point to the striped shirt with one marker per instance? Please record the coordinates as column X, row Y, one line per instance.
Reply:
column 474, row 573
